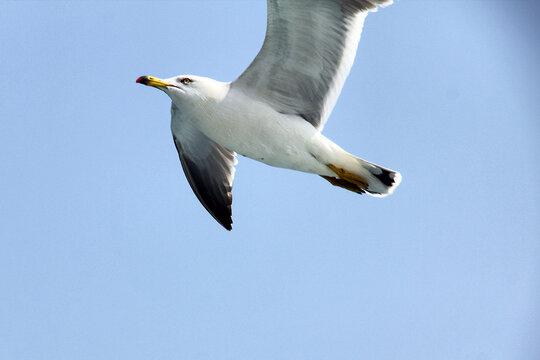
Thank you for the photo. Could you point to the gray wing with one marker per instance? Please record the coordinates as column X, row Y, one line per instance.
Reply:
column 307, row 54
column 209, row 167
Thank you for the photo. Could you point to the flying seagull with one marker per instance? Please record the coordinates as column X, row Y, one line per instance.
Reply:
column 275, row 111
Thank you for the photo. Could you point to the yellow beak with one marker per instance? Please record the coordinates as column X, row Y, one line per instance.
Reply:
column 152, row 81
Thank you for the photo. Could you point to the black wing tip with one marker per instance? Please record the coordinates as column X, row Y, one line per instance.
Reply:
column 227, row 225
column 222, row 216
column 224, row 219
column 368, row 5
column 216, row 200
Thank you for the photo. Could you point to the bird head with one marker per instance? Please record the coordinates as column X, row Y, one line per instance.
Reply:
column 188, row 88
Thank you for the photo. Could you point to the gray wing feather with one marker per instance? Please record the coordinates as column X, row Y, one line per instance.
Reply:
column 208, row 166
column 307, row 54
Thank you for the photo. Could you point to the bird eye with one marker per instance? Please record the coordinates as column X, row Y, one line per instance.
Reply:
column 186, row 81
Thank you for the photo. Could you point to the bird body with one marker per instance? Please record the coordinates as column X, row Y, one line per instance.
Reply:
column 234, row 120
column 275, row 111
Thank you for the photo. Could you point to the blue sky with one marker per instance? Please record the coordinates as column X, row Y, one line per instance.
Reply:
column 105, row 253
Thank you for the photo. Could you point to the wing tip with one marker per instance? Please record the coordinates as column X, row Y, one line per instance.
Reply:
column 225, row 222
column 372, row 5
column 217, row 200
column 224, row 218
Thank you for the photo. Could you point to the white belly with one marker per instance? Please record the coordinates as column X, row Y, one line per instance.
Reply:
column 256, row 130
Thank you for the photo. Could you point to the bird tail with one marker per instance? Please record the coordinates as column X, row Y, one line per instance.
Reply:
column 361, row 177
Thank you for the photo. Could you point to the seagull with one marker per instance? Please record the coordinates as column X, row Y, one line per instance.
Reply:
column 275, row 111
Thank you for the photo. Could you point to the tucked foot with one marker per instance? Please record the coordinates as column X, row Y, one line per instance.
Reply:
column 348, row 176
column 343, row 184
column 347, row 180
column 363, row 176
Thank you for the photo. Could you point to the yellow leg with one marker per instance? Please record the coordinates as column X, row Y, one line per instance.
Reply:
column 349, row 177
column 343, row 184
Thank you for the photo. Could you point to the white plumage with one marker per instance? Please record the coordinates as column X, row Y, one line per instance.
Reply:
column 275, row 111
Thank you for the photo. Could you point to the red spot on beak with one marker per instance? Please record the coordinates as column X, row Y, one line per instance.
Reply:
column 143, row 80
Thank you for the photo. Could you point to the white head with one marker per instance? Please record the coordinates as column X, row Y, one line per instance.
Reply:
column 188, row 89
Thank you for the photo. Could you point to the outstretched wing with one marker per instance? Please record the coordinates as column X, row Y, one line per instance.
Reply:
column 209, row 167
column 307, row 54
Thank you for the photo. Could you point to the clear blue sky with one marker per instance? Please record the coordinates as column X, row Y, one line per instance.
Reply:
column 105, row 253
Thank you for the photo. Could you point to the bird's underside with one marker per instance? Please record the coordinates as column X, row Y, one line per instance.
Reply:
column 274, row 112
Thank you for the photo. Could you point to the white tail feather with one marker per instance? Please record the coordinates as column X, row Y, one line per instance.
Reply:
column 381, row 181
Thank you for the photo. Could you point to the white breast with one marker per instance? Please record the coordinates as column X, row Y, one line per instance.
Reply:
column 254, row 129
